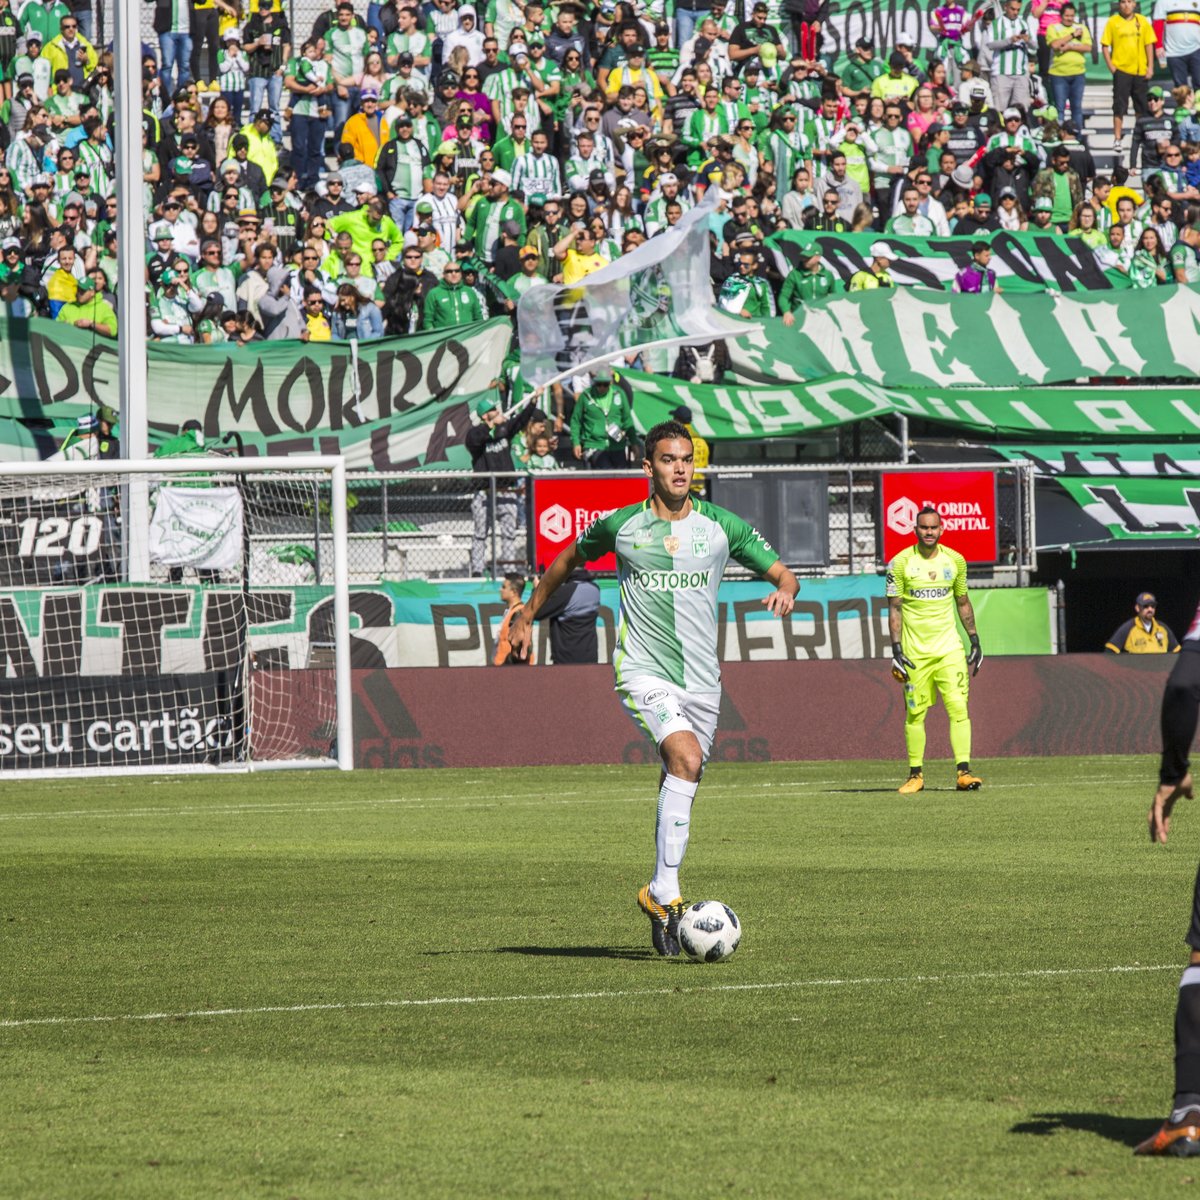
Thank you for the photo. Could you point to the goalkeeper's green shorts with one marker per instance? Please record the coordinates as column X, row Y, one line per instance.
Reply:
column 948, row 674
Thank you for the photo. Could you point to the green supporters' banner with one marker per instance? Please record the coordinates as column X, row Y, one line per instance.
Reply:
column 1023, row 262
column 730, row 412
column 1139, row 509
column 1133, row 461
column 393, row 403
column 921, row 339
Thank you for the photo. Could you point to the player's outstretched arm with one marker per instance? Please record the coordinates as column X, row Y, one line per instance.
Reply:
column 783, row 599
column 520, row 628
column 1159, row 816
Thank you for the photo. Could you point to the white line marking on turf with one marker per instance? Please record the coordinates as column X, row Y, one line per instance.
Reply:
column 553, row 997
column 780, row 790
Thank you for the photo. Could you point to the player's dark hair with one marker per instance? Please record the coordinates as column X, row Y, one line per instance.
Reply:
column 664, row 431
column 929, row 511
column 516, row 582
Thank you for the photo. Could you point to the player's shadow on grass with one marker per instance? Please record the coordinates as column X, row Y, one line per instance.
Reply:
column 635, row 952
column 1128, row 1131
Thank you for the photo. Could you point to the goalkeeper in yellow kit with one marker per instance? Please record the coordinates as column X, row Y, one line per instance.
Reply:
column 926, row 584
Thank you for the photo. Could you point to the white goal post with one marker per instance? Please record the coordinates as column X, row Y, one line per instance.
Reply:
column 232, row 651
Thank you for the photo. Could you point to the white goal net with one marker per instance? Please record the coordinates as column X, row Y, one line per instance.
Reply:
column 208, row 631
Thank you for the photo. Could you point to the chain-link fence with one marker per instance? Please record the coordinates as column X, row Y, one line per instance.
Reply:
column 823, row 520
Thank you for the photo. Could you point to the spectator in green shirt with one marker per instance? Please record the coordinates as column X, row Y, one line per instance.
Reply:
column 89, row 311
column 807, row 283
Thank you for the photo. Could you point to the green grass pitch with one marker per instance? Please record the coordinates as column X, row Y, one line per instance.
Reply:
column 428, row 984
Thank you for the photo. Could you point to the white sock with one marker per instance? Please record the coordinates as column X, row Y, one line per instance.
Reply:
column 671, row 836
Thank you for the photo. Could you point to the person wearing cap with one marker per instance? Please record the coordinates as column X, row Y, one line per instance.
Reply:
column 308, row 78
column 806, row 284
column 267, row 40
column 896, row 83
column 489, row 443
column 861, row 70
column 876, row 274
column 602, row 422
column 1143, row 633
column 233, row 71
column 1152, row 134
column 402, row 165
column 1060, row 185
column 494, row 207
column 108, row 445
column 528, row 277
column 982, row 218
column 170, row 320
column 1041, row 216
column 261, row 146
column 1010, row 38
column 746, row 293
column 89, row 310
column 34, row 64
column 367, row 129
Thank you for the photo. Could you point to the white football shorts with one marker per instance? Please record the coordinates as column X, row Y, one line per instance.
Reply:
column 660, row 709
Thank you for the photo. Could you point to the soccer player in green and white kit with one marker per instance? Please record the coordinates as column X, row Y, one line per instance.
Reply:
column 926, row 585
column 671, row 552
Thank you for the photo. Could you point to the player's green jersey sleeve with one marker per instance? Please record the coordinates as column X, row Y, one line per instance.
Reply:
column 600, row 537
column 746, row 545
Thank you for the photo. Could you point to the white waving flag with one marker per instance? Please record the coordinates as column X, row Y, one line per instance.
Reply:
column 197, row 527
column 658, row 295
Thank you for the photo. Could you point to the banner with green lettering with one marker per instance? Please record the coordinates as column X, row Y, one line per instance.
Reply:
column 724, row 412
column 922, row 339
column 390, row 404
column 1023, row 262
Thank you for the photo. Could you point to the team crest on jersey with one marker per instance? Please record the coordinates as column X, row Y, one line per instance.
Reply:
column 932, row 574
column 699, row 545
column 947, row 573
column 642, row 538
column 671, row 542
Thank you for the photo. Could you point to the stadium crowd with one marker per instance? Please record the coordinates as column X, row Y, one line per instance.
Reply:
column 398, row 167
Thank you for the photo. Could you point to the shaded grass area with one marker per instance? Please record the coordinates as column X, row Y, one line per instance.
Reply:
column 926, row 1002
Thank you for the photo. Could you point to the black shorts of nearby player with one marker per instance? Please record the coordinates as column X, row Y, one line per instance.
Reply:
column 1125, row 86
column 1180, row 710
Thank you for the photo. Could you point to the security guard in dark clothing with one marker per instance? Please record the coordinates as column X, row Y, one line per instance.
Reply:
column 109, row 445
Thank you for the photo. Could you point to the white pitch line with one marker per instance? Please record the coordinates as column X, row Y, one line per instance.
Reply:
column 555, row 997
column 780, row 790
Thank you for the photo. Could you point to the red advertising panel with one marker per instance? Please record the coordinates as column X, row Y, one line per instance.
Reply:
column 966, row 500
column 564, row 507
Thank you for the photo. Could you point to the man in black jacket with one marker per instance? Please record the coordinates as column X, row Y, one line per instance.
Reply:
column 488, row 444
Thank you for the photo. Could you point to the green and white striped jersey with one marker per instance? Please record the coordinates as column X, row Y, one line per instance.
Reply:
column 347, row 49
column 669, row 572
column 1014, row 60
column 305, row 70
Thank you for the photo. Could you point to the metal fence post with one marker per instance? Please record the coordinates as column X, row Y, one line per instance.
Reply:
column 492, row 504
column 850, row 518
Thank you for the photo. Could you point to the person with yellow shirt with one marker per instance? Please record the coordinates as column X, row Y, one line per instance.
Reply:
column 61, row 280
column 1142, row 634
column 263, row 150
column 926, row 589
column 1128, row 43
column 577, row 253
column 897, row 84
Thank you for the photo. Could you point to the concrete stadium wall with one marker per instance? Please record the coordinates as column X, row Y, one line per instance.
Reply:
column 476, row 717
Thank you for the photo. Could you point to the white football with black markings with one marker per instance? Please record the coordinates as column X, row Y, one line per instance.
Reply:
column 709, row 931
